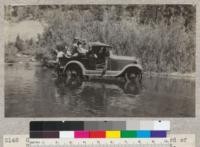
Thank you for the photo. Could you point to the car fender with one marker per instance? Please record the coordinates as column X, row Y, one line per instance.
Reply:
column 77, row 63
column 129, row 66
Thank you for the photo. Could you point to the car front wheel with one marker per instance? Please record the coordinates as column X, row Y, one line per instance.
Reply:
column 132, row 75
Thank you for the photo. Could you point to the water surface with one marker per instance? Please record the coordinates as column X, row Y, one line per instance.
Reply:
column 34, row 91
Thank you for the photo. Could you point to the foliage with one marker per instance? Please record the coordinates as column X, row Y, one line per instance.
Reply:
column 162, row 36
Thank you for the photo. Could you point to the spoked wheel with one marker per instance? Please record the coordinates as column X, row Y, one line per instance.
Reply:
column 132, row 75
column 73, row 77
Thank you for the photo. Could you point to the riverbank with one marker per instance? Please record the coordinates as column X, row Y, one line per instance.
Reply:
column 19, row 57
column 25, row 58
column 22, row 58
column 175, row 75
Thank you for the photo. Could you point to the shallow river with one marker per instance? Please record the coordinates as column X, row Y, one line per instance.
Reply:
column 34, row 91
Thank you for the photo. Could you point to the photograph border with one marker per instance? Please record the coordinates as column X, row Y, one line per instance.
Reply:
column 178, row 125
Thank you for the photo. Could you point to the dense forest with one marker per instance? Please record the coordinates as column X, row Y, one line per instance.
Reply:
column 161, row 36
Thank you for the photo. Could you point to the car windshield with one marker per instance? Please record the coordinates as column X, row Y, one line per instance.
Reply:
column 101, row 51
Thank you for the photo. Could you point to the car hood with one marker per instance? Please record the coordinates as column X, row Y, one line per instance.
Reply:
column 118, row 63
column 125, row 58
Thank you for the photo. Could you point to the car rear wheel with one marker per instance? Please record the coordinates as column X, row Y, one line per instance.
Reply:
column 73, row 74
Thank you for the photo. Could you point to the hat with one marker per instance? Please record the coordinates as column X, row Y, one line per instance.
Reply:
column 76, row 38
column 79, row 42
column 84, row 41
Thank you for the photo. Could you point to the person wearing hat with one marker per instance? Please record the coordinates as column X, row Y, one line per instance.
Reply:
column 84, row 43
column 84, row 46
column 60, row 47
column 105, row 56
column 81, row 48
column 74, row 49
column 77, row 49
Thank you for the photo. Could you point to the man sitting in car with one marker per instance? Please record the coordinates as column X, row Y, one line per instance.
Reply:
column 77, row 48
column 82, row 47
column 71, row 51
column 105, row 54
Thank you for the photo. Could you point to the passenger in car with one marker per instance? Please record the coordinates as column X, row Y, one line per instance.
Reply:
column 60, row 47
column 75, row 42
column 81, row 47
column 60, row 53
column 84, row 46
column 74, row 48
column 79, row 50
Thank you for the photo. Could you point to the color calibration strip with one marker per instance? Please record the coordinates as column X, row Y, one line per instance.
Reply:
column 77, row 125
column 176, row 140
column 99, row 125
column 99, row 134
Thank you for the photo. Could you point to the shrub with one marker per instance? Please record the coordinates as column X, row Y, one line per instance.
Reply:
column 162, row 36
column 161, row 47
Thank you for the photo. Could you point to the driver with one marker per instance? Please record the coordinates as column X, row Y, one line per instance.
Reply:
column 105, row 54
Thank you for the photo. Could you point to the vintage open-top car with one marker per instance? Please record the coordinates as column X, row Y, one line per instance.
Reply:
column 93, row 63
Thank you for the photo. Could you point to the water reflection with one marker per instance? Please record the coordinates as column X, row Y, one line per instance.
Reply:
column 93, row 96
column 34, row 91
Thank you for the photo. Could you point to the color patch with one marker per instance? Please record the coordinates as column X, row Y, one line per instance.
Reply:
column 146, row 125
column 50, row 134
column 56, row 125
column 81, row 134
column 104, row 125
column 128, row 134
column 143, row 134
column 161, row 125
column 36, row 134
column 158, row 134
column 113, row 134
column 66, row 134
column 97, row 134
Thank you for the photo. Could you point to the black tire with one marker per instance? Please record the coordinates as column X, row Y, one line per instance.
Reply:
column 133, row 74
column 130, row 76
column 73, row 73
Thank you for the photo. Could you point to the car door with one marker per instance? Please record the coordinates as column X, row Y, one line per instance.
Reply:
column 100, row 62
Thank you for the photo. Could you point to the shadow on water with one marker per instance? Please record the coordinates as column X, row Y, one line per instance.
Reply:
column 34, row 91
